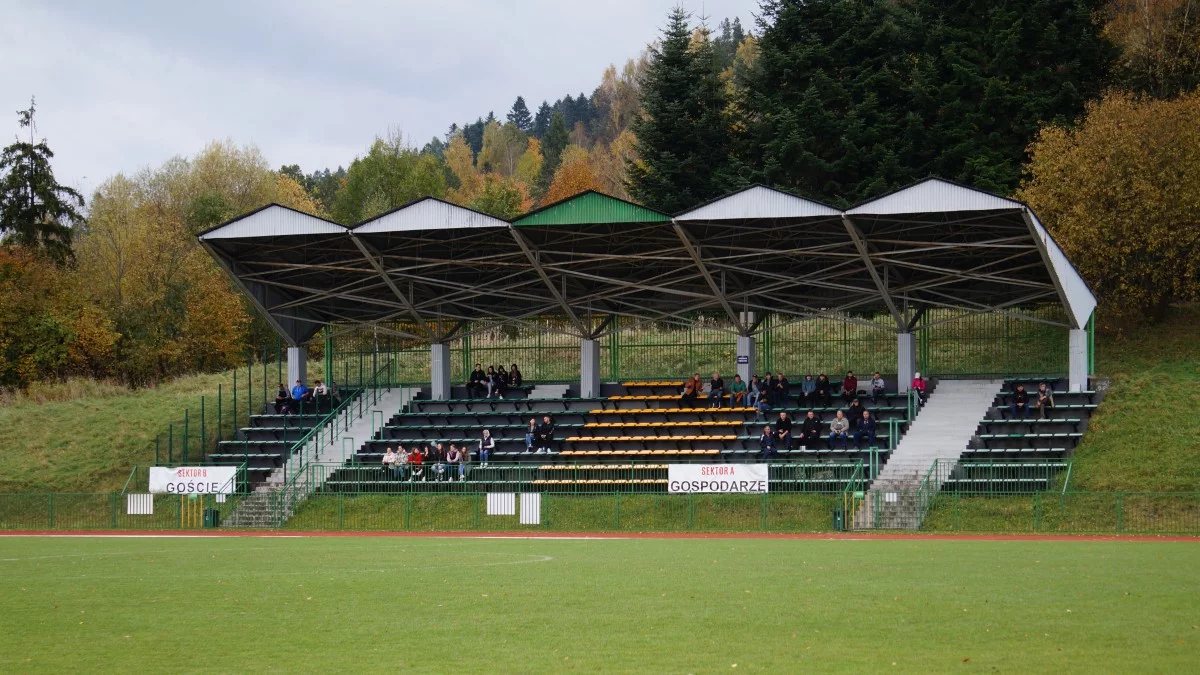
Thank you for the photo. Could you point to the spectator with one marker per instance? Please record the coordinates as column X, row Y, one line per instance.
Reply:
column 454, row 457
column 417, row 462
column 716, row 390
column 321, row 394
column 515, row 378
column 783, row 430
column 402, row 460
column 839, row 430
column 768, row 383
column 389, row 462
column 878, row 387
column 486, row 445
column 764, row 404
column 1045, row 400
column 766, row 442
column 824, row 391
column 691, row 392
column 301, row 395
column 495, row 383
column 850, row 387
column 810, row 431
column 334, row 396
column 808, row 392
column 439, row 462
column 282, row 399
column 918, row 385
column 1020, row 402
column 754, row 391
column 477, row 384
column 504, row 378
column 737, row 392
column 545, row 435
column 780, row 392
column 866, row 428
column 854, row 413
column 530, row 434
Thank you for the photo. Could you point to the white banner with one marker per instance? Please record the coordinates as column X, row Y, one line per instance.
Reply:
column 726, row 478
column 193, row 480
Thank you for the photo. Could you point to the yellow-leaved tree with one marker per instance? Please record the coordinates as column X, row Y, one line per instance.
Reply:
column 1120, row 193
column 574, row 175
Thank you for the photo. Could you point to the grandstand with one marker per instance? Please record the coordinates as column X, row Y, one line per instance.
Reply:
column 885, row 279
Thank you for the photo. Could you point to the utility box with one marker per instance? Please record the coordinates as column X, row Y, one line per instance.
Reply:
column 212, row 517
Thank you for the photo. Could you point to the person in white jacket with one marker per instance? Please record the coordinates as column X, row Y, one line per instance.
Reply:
column 839, row 429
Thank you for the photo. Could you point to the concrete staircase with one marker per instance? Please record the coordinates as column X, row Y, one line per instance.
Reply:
column 941, row 431
column 549, row 390
column 270, row 505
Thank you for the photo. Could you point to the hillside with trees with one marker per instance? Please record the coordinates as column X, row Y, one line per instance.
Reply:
column 1086, row 109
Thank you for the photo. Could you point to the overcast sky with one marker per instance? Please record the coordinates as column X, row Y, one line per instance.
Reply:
column 125, row 85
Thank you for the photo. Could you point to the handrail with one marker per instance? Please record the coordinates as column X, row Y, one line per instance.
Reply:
column 132, row 473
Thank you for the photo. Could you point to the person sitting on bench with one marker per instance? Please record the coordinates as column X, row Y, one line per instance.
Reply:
column 334, row 396
column 753, row 391
column 417, row 461
column 477, row 384
column 455, row 457
column 691, row 392
column 783, row 430
column 389, row 462
column 282, row 400
column 780, row 392
column 530, row 434
column 767, row 383
column 766, row 442
column 504, row 378
column 808, row 392
column 866, row 429
column 1020, row 402
column 854, row 413
column 839, row 430
column 878, row 387
column 545, row 435
column 850, row 387
column 486, row 445
column 401, row 465
column 716, row 390
column 918, row 385
column 515, row 378
column 764, row 405
column 301, row 396
column 824, row 391
column 495, row 383
column 737, row 392
column 320, row 394
column 1044, row 401
column 810, row 431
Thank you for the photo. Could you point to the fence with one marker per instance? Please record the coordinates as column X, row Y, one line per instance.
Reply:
column 948, row 345
column 1107, row 513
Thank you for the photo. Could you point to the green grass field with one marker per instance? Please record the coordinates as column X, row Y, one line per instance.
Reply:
column 641, row 605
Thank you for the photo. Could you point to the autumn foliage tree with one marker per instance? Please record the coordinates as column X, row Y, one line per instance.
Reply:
column 1121, row 194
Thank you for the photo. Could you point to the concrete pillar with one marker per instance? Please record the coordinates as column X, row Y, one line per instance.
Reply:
column 746, row 345
column 439, row 371
column 297, row 362
column 589, row 368
column 1077, row 360
column 906, row 361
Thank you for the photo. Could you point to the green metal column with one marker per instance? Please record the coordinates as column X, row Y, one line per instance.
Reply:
column 1091, row 344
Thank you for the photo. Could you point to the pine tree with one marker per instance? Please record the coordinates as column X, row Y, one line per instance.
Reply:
column 36, row 212
column 541, row 121
column 682, row 139
column 555, row 140
column 519, row 115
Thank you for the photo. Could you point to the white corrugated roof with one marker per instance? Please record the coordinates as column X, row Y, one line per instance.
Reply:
column 758, row 202
column 1079, row 298
column 428, row 214
column 934, row 195
column 273, row 221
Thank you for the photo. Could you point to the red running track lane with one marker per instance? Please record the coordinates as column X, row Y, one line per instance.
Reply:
column 830, row 536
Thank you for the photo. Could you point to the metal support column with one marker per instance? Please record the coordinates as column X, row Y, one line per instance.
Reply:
column 589, row 368
column 906, row 361
column 439, row 371
column 297, row 364
column 1078, row 359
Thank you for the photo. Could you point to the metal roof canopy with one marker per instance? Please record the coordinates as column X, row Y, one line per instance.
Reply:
column 431, row 266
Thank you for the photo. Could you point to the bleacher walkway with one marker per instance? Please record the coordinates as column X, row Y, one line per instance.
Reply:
column 942, row 431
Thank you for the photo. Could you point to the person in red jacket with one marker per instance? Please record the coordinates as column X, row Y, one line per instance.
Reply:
column 918, row 385
column 849, row 386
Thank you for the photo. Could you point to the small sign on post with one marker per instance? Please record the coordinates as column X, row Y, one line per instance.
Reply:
column 742, row 359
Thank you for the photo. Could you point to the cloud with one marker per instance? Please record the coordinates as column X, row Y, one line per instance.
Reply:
column 309, row 82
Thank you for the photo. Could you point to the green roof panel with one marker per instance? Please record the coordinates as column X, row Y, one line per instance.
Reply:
column 589, row 208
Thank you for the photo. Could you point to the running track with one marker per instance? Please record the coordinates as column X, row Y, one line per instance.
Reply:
column 848, row 536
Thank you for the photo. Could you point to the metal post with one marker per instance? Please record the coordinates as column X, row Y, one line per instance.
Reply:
column 156, row 439
column 203, row 432
column 589, row 368
column 1078, row 359
column 249, row 388
column 233, row 422
column 220, row 405
column 185, row 435
column 170, row 444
